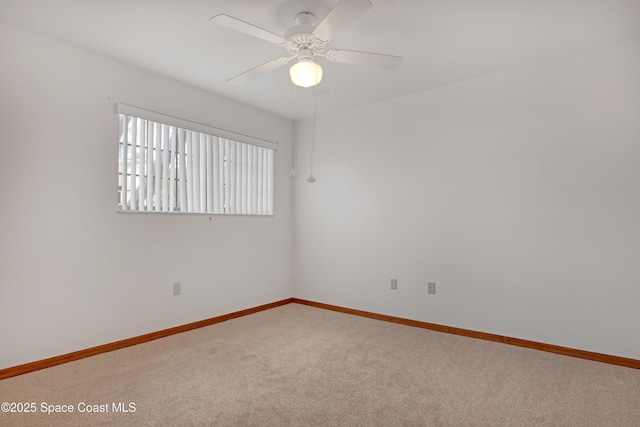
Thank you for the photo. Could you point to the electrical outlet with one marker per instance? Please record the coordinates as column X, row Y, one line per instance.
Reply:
column 431, row 288
column 177, row 288
column 394, row 283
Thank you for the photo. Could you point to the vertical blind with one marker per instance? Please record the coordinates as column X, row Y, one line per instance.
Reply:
column 164, row 168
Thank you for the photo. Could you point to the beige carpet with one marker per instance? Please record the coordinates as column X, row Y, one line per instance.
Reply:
column 302, row 366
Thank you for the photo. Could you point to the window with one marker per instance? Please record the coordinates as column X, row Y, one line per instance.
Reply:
column 165, row 166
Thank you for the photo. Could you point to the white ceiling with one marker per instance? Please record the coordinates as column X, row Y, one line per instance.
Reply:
column 441, row 41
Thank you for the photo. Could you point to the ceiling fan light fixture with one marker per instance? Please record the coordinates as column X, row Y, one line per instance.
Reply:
column 306, row 73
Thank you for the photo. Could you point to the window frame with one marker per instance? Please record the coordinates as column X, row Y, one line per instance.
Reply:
column 222, row 136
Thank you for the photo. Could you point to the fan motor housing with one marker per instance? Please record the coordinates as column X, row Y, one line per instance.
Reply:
column 301, row 36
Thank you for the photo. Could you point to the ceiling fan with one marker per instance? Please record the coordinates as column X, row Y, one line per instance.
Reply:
column 305, row 41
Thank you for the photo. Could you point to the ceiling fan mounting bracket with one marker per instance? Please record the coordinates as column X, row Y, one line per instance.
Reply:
column 305, row 18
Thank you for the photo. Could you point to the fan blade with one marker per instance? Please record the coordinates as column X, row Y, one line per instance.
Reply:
column 246, row 28
column 379, row 60
column 259, row 70
column 343, row 14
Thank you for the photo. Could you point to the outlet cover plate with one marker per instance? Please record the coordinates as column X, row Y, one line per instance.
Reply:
column 431, row 288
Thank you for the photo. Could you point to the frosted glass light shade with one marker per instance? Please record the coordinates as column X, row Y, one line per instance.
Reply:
column 306, row 73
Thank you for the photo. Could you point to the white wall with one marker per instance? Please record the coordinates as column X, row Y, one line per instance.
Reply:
column 74, row 273
column 517, row 193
